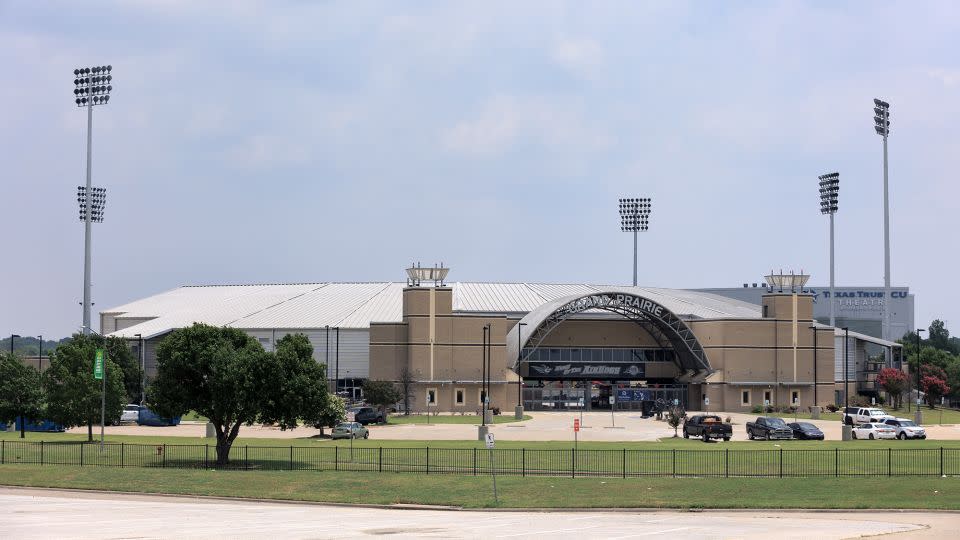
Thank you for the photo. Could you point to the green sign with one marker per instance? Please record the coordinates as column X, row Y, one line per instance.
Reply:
column 98, row 365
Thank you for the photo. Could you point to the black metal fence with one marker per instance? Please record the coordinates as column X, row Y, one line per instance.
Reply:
column 519, row 462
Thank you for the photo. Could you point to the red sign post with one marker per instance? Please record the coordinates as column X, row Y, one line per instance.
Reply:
column 576, row 429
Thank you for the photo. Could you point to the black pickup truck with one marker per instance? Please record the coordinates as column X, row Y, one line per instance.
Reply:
column 769, row 428
column 706, row 427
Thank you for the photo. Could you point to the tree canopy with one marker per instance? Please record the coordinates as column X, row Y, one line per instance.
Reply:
column 226, row 376
column 381, row 393
column 20, row 391
column 73, row 394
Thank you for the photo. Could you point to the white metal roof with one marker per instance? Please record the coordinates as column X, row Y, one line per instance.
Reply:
column 356, row 305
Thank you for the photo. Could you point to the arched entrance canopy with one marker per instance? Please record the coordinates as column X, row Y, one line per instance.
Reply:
column 662, row 324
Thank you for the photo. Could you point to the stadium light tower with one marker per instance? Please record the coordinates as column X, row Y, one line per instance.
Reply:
column 881, row 119
column 829, row 188
column 92, row 86
column 634, row 217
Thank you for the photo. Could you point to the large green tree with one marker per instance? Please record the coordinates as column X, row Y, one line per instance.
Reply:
column 20, row 391
column 73, row 394
column 381, row 393
column 226, row 376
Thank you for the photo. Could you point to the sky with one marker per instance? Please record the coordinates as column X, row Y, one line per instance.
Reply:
column 276, row 142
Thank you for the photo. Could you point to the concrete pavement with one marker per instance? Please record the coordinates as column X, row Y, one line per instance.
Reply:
column 31, row 513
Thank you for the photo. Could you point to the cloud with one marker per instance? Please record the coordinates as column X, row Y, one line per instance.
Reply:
column 949, row 77
column 583, row 57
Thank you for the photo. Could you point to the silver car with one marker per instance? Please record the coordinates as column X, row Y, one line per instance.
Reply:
column 350, row 430
column 130, row 414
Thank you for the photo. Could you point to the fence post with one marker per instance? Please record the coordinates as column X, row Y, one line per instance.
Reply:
column 3, row 452
column 726, row 463
column 41, row 452
column 889, row 461
column 836, row 462
column 246, row 457
column 941, row 461
column 674, row 462
column 573, row 463
column 624, row 463
column 121, row 454
column 523, row 461
column 206, row 456
column 781, row 462
column 81, row 453
column 336, row 458
column 164, row 454
column 428, row 457
column 474, row 461
column 380, row 460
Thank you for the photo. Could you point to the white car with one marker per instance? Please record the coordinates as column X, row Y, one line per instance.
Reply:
column 874, row 431
column 131, row 413
column 859, row 415
column 906, row 428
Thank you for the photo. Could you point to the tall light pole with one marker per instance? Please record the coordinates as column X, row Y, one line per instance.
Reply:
column 881, row 119
column 92, row 86
column 846, row 430
column 40, row 356
column 829, row 189
column 11, row 342
column 634, row 217
column 918, row 417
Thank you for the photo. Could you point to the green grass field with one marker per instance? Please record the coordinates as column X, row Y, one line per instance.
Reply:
column 514, row 492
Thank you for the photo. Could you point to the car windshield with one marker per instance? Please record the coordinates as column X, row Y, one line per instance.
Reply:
column 807, row 426
column 345, row 425
column 776, row 422
column 877, row 412
column 908, row 423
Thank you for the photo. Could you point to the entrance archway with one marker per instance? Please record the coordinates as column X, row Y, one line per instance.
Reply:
column 665, row 326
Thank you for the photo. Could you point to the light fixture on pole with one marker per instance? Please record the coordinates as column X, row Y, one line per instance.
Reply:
column 881, row 119
column 11, row 342
column 829, row 189
column 92, row 86
column 918, row 416
column 634, row 217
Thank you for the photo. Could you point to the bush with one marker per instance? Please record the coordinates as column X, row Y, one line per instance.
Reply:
column 757, row 409
column 859, row 401
column 832, row 408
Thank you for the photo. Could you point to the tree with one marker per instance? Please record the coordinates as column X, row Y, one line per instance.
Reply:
column 333, row 413
column 20, row 391
column 406, row 387
column 226, row 376
column 940, row 337
column 894, row 382
column 73, row 394
column 381, row 393
column 934, row 388
column 675, row 416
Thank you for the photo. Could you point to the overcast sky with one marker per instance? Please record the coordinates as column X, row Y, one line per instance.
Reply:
column 317, row 141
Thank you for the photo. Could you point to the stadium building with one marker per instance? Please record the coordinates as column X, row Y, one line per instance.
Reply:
column 551, row 346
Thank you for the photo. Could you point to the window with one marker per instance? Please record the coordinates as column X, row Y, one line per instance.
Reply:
column 795, row 397
column 431, row 397
column 765, row 312
column 745, row 397
column 767, row 397
column 459, row 395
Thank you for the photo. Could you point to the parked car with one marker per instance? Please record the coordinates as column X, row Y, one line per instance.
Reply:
column 350, row 430
column 769, row 428
column 706, row 426
column 906, row 428
column 862, row 415
column 871, row 431
column 805, row 431
column 146, row 417
column 37, row 425
column 131, row 413
column 366, row 415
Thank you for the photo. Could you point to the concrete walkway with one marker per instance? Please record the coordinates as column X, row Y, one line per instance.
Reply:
column 32, row 513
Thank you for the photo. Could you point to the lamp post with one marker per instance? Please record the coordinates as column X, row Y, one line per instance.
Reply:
column 881, row 119
column 518, row 413
column 143, row 370
column 11, row 342
column 634, row 217
column 829, row 188
column 918, row 417
column 847, row 430
column 92, row 86
column 815, row 412
column 40, row 356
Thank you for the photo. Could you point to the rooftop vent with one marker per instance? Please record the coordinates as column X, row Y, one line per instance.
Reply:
column 787, row 282
column 417, row 274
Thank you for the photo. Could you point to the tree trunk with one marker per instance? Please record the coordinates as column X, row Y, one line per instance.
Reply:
column 23, row 426
column 225, row 438
column 89, row 431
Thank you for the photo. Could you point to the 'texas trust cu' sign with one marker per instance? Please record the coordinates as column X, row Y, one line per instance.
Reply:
column 602, row 301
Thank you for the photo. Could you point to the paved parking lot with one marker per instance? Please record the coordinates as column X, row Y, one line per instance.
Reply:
column 543, row 426
column 30, row 513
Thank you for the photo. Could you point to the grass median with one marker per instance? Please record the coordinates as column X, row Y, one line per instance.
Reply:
column 514, row 492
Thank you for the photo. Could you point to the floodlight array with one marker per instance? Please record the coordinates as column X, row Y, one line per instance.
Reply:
column 634, row 214
column 829, row 190
column 98, row 203
column 92, row 85
column 881, row 117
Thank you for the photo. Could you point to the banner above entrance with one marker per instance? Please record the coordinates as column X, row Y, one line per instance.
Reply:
column 585, row 370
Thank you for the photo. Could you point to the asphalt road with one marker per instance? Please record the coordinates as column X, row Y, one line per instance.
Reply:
column 31, row 513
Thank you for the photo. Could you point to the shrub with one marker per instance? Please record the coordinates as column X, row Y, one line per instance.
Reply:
column 757, row 409
column 832, row 408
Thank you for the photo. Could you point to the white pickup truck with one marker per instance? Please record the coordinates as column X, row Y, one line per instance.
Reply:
column 853, row 416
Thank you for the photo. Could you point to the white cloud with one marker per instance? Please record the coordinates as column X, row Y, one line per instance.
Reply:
column 949, row 77
column 583, row 57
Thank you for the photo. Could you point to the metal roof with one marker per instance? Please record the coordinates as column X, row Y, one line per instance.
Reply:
column 356, row 305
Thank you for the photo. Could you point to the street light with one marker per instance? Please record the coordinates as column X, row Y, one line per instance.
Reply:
column 483, row 378
column 92, row 86
column 847, row 430
column 815, row 379
column 11, row 342
column 829, row 188
column 634, row 217
column 519, row 412
column 918, row 417
column 881, row 120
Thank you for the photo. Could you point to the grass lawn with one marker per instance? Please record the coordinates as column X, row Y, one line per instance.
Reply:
column 451, row 419
column 514, row 492
column 930, row 416
column 194, row 416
